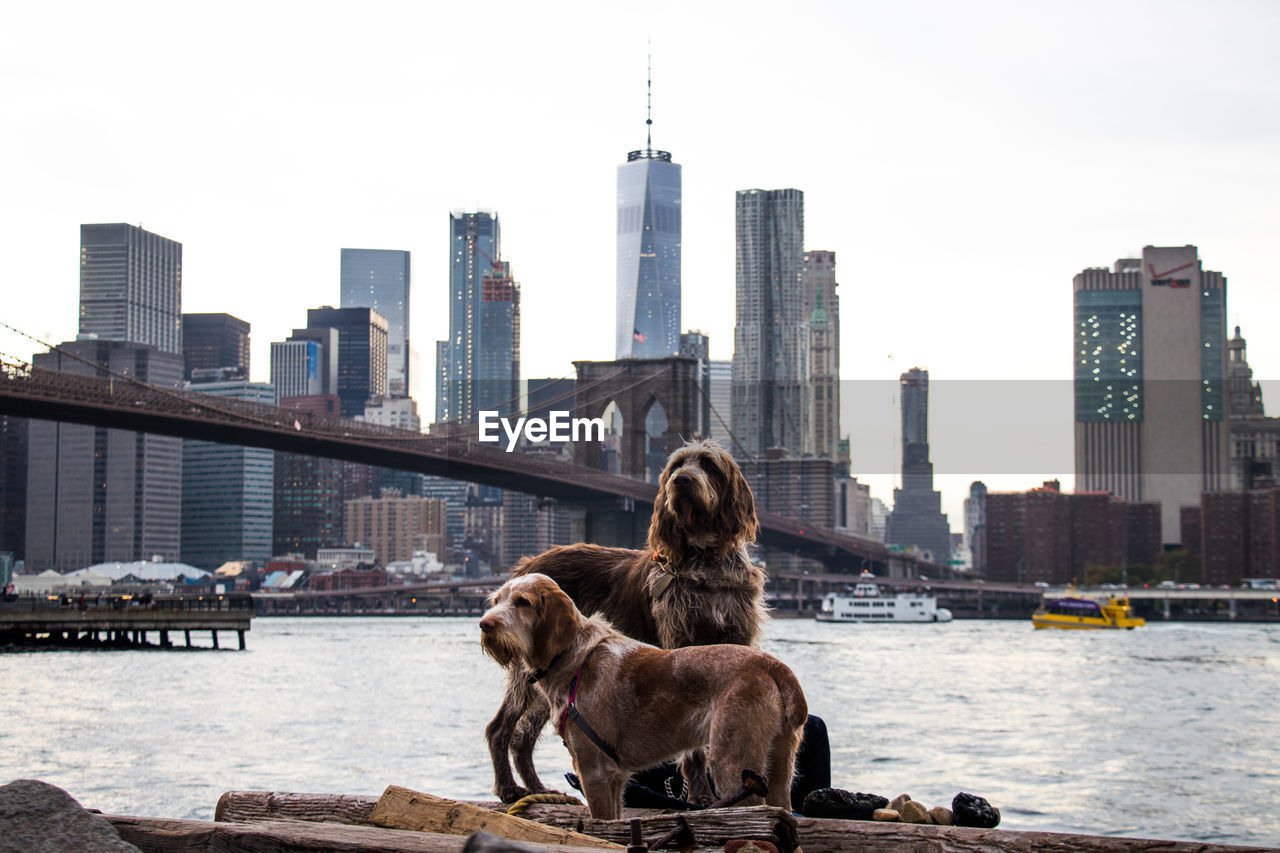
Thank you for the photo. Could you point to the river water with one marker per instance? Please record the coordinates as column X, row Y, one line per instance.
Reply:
column 1163, row 732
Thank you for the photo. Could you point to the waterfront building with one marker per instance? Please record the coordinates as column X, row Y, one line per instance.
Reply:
column 649, row 227
column 917, row 518
column 362, row 353
column 379, row 279
column 214, row 342
column 1048, row 536
column 478, row 367
column 227, row 490
column 96, row 494
column 822, row 310
column 1150, row 370
column 1235, row 534
column 394, row 525
column 130, row 286
column 772, row 396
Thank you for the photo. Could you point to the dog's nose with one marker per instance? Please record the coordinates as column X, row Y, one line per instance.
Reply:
column 682, row 479
column 488, row 623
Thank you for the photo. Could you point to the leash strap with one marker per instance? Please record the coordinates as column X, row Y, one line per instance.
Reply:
column 571, row 712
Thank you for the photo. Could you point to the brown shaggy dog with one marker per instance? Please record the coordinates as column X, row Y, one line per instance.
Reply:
column 624, row 706
column 693, row 586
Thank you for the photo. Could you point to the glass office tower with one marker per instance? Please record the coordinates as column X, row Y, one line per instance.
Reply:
column 478, row 367
column 379, row 279
column 648, row 309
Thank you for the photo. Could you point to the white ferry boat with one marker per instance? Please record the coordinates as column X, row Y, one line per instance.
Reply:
column 866, row 604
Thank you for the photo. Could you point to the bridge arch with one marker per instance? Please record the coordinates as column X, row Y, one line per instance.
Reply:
column 636, row 386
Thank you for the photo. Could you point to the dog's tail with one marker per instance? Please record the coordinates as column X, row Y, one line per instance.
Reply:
column 795, row 707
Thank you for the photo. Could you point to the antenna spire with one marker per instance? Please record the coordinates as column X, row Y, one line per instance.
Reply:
column 649, row 104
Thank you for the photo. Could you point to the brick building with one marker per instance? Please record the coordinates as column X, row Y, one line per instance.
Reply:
column 1046, row 535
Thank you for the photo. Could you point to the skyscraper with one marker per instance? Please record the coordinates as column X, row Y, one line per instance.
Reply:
column 362, row 353
column 213, row 341
column 478, row 367
column 772, row 398
column 917, row 517
column 130, row 286
column 1150, row 369
column 822, row 312
column 96, row 494
column 649, row 224
column 227, row 490
column 379, row 279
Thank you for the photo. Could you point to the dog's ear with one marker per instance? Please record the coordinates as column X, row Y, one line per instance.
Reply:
column 665, row 536
column 736, row 513
column 556, row 627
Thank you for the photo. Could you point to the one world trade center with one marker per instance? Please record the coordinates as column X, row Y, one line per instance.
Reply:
column 648, row 254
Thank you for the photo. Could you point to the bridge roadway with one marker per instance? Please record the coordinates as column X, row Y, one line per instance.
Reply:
column 790, row 592
column 122, row 403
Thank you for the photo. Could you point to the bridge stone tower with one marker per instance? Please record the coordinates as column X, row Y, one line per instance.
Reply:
column 635, row 386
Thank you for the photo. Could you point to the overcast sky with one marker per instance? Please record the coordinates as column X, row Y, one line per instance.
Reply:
column 964, row 161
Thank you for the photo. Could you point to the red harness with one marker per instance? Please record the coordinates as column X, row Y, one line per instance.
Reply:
column 570, row 712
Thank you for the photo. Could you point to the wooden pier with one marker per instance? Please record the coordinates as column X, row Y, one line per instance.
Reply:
column 122, row 621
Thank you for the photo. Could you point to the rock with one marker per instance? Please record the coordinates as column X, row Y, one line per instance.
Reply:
column 842, row 805
column 913, row 812
column 941, row 815
column 486, row 842
column 899, row 801
column 885, row 814
column 972, row 810
column 40, row 818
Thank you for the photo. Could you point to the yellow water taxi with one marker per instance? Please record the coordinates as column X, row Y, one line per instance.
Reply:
column 1072, row 611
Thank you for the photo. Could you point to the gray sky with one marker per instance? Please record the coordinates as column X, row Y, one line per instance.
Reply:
column 964, row 160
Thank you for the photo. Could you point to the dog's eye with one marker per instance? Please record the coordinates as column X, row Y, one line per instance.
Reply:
column 521, row 602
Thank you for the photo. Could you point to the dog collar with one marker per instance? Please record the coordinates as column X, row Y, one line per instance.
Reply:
column 539, row 674
column 571, row 712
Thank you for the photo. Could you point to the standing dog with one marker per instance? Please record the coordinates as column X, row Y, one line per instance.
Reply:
column 693, row 586
column 624, row 706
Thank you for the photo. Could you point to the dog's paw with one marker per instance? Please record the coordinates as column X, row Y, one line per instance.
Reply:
column 509, row 794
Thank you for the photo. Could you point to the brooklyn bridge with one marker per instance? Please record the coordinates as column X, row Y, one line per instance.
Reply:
column 616, row 507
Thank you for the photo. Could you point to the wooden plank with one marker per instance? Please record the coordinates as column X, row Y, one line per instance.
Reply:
column 245, row 806
column 402, row 808
column 159, row 835
column 819, row 835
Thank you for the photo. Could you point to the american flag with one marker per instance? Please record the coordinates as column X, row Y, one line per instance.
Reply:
column 637, row 336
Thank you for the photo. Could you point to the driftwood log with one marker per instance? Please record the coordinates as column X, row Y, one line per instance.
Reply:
column 816, row 835
column 401, row 808
column 158, row 835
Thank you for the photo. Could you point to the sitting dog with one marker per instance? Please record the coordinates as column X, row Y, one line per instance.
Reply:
column 624, row 706
column 693, row 586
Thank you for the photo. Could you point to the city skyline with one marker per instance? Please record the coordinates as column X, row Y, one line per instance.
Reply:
column 964, row 162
